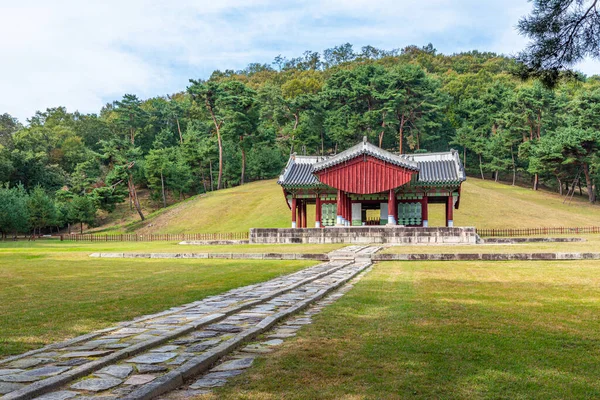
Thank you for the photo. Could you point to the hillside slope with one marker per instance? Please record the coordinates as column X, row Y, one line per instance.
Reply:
column 484, row 204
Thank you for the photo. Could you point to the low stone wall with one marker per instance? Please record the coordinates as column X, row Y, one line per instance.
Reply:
column 237, row 256
column 486, row 257
column 365, row 235
column 374, row 257
column 531, row 240
column 213, row 242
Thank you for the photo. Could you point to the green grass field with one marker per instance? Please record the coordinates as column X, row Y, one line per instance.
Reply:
column 484, row 204
column 44, row 246
column 49, row 293
column 501, row 330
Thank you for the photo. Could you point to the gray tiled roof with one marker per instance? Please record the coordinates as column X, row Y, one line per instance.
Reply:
column 299, row 172
column 434, row 168
column 439, row 168
column 366, row 148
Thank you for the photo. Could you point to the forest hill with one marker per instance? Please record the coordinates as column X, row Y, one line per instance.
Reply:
column 241, row 126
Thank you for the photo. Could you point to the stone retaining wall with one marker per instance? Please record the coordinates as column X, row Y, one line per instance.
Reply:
column 238, row 256
column 214, row 242
column 364, row 235
column 532, row 240
column 374, row 257
column 486, row 257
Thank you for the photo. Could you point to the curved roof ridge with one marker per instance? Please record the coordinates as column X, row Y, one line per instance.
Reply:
column 366, row 148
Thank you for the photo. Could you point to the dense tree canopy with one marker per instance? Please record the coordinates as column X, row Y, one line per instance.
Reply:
column 60, row 167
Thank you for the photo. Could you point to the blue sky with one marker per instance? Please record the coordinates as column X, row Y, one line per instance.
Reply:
column 81, row 55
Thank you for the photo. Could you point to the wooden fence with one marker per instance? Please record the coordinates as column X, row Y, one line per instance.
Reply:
column 536, row 231
column 132, row 237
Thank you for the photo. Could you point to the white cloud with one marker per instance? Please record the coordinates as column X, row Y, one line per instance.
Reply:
column 83, row 54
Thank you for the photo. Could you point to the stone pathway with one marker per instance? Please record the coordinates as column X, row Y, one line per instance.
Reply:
column 152, row 355
column 238, row 361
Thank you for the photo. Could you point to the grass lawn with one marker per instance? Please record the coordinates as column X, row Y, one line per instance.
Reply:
column 53, row 291
column 445, row 331
column 45, row 246
column 591, row 245
column 484, row 204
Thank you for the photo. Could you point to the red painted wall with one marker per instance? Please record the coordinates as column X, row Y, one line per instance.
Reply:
column 365, row 175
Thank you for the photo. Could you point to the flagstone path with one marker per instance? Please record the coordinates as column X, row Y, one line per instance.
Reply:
column 155, row 354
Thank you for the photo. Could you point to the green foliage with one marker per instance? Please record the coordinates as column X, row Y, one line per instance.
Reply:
column 14, row 213
column 42, row 210
column 240, row 126
column 166, row 170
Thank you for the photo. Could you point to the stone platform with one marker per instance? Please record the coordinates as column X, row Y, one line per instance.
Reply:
column 365, row 234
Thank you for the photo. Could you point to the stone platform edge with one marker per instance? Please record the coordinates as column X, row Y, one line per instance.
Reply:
column 214, row 242
column 366, row 235
column 517, row 240
column 374, row 257
column 235, row 256
column 486, row 257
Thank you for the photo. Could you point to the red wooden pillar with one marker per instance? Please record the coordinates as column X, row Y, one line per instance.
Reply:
column 425, row 211
column 318, row 210
column 392, row 207
column 304, row 214
column 300, row 214
column 294, row 212
column 449, row 211
column 348, row 216
column 346, row 208
column 340, row 203
column 395, row 210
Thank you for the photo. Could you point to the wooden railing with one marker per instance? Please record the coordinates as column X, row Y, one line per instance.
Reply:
column 509, row 232
column 153, row 237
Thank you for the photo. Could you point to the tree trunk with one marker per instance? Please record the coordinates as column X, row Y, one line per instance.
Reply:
column 401, row 133
column 382, row 129
column 219, row 140
column 203, row 178
column 588, row 182
column 296, row 122
column 496, row 176
column 219, row 180
column 560, row 186
column 133, row 195
column 580, row 189
column 211, row 175
column 162, row 185
column 536, row 182
column 179, row 130
column 481, row 168
column 322, row 143
column 81, row 227
column 465, row 157
column 514, row 165
column 243, row 166
column 69, row 228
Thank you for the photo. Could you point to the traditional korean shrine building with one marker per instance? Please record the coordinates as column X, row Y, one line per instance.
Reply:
column 343, row 187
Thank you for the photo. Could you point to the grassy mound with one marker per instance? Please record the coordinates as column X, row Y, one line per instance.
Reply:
column 484, row 204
